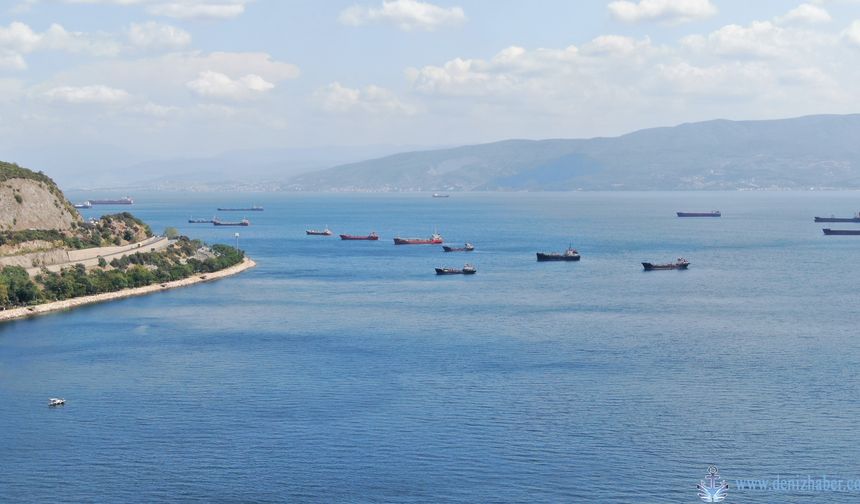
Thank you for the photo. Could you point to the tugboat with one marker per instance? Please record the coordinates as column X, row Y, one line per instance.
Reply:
column 468, row 247
column 468, row 269
column 841, row 232
column 856, row 218
column 713, row 213
column 568, row 255
column 243, row 222
column 436, row 239
column 371, row 237
column 315, row 232
column 56, row 402
column 680, row 264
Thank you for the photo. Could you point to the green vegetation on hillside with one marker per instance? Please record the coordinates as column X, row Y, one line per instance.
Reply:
column 9, row 171
column 116, row 229
column 183, row 259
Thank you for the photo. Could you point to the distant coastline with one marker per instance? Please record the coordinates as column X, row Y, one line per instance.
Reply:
column 68, row 304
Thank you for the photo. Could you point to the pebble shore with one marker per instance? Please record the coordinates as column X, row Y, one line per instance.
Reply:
column 29, row 311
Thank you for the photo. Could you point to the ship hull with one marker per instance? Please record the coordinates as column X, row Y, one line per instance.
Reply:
column 356, row 238
column 837, row 219
column 841, row 232
column 451, row 271
column 698, row 214
column 234, row 224
column 416, row 241
column 652, row 267
column 541, row 257
column 458, row 249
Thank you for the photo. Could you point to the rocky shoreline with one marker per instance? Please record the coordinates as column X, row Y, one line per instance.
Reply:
column 67, row 304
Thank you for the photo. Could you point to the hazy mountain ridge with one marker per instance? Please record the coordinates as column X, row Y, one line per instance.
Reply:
column 820, row 151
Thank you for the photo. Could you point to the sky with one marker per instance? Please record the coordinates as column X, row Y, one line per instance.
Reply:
column 149, row 79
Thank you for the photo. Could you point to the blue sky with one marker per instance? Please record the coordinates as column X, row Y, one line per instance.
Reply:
column 161, row 78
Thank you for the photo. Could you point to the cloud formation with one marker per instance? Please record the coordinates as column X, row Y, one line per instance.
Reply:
column 336, row 98
column 406, row 15
column 177, row 9
column 152, row 35
column 211, row 84
column 96, row 94
column 663, row 11
column 806, row 13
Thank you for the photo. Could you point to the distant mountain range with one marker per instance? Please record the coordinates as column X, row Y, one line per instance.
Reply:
column 821, row 151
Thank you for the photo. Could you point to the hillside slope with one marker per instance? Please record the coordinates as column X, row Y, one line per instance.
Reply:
column 812, row 151
column 31, row 200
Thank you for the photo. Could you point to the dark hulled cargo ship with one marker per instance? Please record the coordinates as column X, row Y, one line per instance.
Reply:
column 841, row 232
column 680, row 264
column 568, row 255
column 713, row 213
column 371, row 237
column 436, row 239
column 856, row 218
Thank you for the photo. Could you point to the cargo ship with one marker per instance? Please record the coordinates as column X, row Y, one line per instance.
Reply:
column 192, row 220
column 121, row 201
column 465, row 270
column 243, row 222
column 436, row 239
column 856, row 218
column 843, row 232
column 714, row 213
column 568, row 255
column 371, row 237
column 85, row 204
column 468, row 247
column 254, row 208
column 316, row 232
column 438, row 195
column 680, row 264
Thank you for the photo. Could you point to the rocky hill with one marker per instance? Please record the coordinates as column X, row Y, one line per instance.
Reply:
column 31, row 200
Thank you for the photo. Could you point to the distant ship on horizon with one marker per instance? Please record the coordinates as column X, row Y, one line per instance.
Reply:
column 856, row 218
column 841, row 232
column 121, row 201
column 254, row 208
column 713, row 213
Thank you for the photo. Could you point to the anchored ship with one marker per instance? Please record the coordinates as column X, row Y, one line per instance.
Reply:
column 121, row 201
column 680, row 264
column 436, row 239
column 371, row 237
column 713, row 213
column 468, row 269
column 254, row 208
column 568, row 255
column 316, row 232
column 243, row 222
column 844, row 232
column 856, row 218
column 468, row 247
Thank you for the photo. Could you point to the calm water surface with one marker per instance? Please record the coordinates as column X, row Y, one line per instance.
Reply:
column 348, row 372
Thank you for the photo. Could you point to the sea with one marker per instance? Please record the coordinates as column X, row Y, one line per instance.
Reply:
column 348, row 372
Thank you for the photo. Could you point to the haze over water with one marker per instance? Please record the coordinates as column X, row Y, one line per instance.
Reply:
column 348, row 372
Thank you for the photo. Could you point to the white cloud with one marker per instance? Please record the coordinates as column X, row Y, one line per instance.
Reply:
column 805, row 13
column 152, row 35
column 178, row 9
column 337, row 98
column 97, row 94
column 153, row 110
column 407, row 15
column 852, row 33
column 664, row 11
column 11, row 60
column 761, row 39
column 211, row 84
column 20, row 38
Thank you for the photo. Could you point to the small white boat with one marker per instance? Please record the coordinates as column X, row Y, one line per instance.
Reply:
column 56, row 402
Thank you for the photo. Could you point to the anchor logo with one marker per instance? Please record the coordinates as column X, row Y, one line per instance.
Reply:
column 713, row 489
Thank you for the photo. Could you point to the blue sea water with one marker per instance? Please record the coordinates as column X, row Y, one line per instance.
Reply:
column 340, row 372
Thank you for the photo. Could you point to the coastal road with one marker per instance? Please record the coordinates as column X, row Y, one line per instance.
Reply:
column 90, row 257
